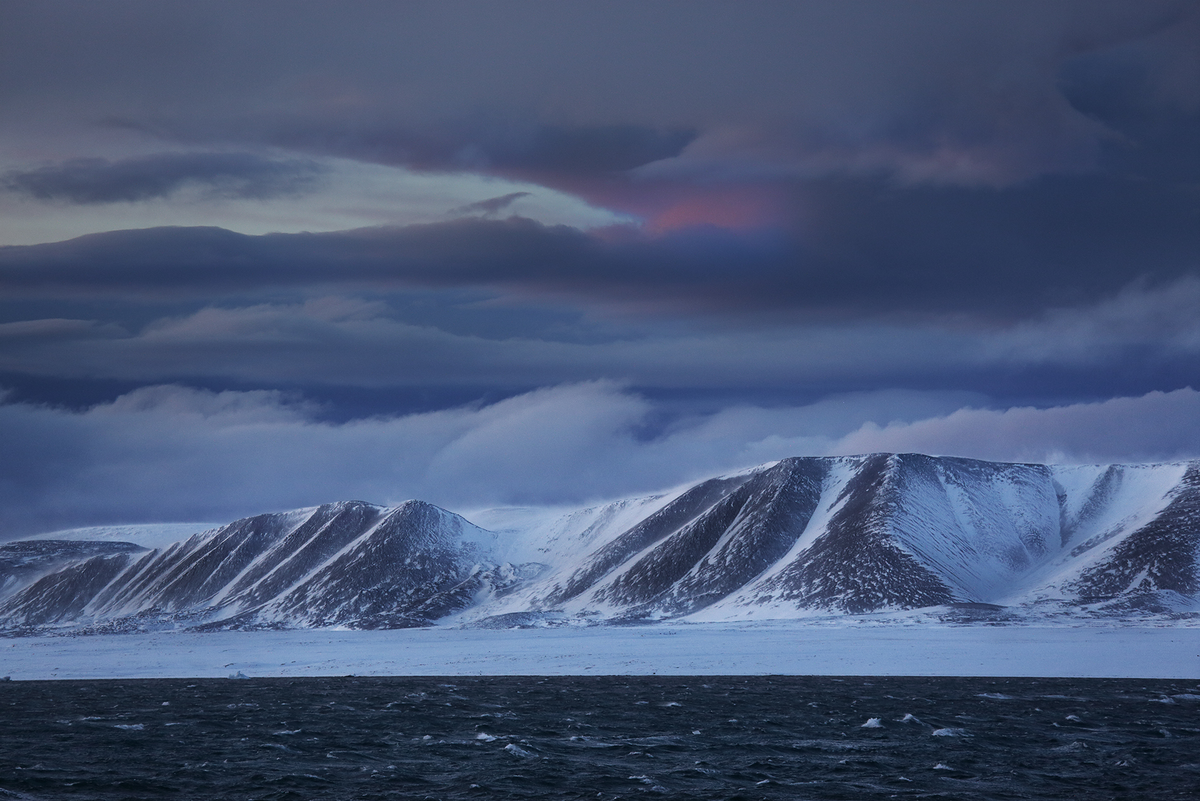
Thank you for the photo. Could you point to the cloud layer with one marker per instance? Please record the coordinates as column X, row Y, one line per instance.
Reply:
column 169, row 453
column 96, row 180
column 1024, row 252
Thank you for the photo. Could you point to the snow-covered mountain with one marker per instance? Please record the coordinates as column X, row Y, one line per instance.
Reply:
column 804, row 536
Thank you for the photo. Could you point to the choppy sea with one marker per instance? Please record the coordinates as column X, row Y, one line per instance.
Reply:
column 601, row 738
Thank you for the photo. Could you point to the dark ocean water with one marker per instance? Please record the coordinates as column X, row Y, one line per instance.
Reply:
column 615, row 737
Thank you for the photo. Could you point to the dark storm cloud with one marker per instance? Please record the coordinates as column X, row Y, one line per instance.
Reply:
column 208, row 260
column 864, row 248
column 96, row 180
column 934, row 91
column 501, row 146
column 843, row 245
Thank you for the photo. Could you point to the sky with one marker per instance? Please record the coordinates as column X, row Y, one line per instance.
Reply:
column 263, row 255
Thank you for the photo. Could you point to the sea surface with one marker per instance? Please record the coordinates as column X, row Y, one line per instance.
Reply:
column 760, row 737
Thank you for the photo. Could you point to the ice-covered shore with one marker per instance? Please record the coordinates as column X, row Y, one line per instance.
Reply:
column 781, row 647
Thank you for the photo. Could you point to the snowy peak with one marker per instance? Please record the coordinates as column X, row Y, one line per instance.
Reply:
column 349, row 563
column 855, row 561
column 412, row 564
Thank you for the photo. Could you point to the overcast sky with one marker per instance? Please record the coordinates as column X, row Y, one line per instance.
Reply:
column 256, row 256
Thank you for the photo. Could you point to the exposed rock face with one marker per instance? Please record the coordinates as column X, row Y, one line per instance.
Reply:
column 801, row 536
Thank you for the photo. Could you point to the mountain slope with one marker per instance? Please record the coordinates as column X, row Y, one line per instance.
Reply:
column 341, row 564
column 23, row 562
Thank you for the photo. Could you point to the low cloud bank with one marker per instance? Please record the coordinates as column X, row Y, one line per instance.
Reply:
column 172, row 453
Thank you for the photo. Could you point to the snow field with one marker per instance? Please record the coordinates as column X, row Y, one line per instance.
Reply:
column 870, row 647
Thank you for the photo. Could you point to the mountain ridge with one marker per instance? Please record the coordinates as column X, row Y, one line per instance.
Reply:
column 803, row 536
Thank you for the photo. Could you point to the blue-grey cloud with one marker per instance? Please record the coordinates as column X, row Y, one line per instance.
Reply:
column 97, row 180
column 1141, row 339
